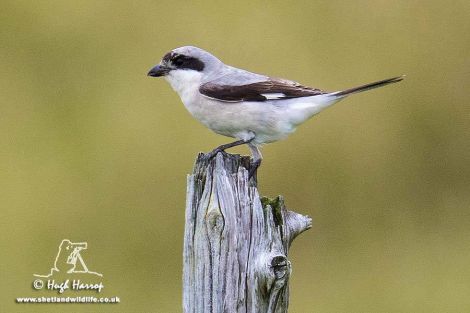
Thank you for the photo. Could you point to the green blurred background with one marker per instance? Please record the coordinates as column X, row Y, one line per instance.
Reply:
column 94, row 150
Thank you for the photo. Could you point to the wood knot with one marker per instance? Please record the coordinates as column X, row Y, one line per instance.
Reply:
column 215, row 220
column 280, row 266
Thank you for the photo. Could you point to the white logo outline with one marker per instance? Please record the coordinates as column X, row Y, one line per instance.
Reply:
column 71, row 259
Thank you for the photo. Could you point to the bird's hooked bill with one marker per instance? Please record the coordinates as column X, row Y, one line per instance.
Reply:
column 158, row 71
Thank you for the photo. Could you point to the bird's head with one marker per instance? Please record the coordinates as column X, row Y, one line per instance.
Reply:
column 186, row 64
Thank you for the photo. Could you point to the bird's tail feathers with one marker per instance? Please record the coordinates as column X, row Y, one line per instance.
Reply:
column 366, row 87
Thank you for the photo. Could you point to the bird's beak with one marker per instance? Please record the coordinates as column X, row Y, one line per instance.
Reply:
column 159, row 70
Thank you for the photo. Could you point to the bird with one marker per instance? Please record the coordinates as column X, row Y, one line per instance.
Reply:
column 254, row 109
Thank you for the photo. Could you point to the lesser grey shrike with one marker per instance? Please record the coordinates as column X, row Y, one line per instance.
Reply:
column 255, row 109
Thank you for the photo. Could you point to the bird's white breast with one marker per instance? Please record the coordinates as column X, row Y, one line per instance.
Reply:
column 186, row 84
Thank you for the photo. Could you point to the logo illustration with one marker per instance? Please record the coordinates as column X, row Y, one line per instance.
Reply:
column 69, row 259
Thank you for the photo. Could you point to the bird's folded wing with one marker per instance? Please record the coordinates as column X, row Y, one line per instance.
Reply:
column 271, row 89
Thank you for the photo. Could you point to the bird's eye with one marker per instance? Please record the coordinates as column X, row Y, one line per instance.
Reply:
column 178, row 61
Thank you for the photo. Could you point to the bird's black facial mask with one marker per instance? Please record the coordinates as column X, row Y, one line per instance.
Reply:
column 183, row 62
column 173, row 61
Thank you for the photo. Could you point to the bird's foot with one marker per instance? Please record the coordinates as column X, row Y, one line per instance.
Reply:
column 210, row 155
column 222, row 148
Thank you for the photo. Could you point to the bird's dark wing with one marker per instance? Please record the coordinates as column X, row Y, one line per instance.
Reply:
column 271, row 89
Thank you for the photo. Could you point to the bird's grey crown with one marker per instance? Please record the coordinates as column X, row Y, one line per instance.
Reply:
column 193, row 58
column 181, row 60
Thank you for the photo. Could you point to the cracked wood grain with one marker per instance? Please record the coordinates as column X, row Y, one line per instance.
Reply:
column 236, row 243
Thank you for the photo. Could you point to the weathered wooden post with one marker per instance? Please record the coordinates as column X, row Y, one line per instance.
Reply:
column 235, row 243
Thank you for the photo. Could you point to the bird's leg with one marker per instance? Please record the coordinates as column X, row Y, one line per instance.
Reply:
column 221, row 148
column 256, row 153
column 257, row 157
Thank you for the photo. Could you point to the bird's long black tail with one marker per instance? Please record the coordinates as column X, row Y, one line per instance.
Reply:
column 365, row 87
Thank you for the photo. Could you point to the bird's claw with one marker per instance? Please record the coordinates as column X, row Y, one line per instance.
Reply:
column 210, row 155
column 253, row 164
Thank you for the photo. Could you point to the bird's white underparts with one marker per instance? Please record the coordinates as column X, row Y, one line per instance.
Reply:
column 255, row 109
